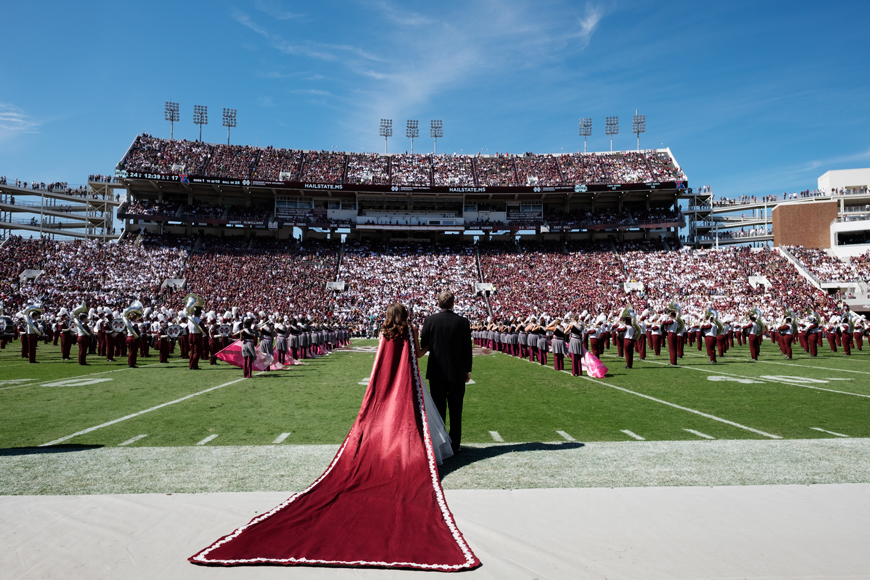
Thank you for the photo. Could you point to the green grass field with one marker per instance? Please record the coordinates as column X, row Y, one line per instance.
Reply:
column 511, row 399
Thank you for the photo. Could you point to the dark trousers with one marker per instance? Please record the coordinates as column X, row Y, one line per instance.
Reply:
column 813, row 343
column 195, row 345
column 32, row 339
column 672, row 347
column 628, row 348
column 753, row 346
column 84, row 343
column 640, row 346
column 710, row 341
column 132, row 350
column 448, row 396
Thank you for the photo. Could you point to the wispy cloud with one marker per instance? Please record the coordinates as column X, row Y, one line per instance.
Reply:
column 588, row 23
column 274, row 9
column 14, row 122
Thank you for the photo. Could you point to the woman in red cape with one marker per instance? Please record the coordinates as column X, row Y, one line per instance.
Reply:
column 380, row 502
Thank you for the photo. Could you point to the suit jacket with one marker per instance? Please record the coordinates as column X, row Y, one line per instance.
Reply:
column 448, row 338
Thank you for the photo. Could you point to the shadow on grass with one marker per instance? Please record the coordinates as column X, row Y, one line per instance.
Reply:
column 13, row 451
column 470, row 455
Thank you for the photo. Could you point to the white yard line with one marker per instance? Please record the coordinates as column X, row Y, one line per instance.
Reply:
column 207, row 439
column 828, row 432
column 699, row 434
column 280, row 438
column 132, row 415
column 680, row 407
column 794, row 364
column 496, row 437
column 565, row 436
column 791, row 383
column 36, row 384
column 133, row 440
column 633, row 435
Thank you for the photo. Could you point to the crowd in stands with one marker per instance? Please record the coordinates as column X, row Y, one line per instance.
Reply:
column 530, row 278
column 148, row 207
column 149, row 154
column 368, row 169
column 826, row 268
column 275, row 163
column 538, row 170
column 257, row 274
column 542, row 279
column 737, row 234
column 202, row 210
column 102, row 178
column 231, row 161
column 100, row 274
column 323, row 167
column 453, row 170
column 255, row 212
column 410, row 169
column 411, row 273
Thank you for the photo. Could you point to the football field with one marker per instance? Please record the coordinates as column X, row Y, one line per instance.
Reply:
column 510, row 400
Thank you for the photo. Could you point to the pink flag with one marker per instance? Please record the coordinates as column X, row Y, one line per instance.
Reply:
column 233, row 355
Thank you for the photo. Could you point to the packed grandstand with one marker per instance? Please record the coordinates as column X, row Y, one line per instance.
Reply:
column 528, row 278
column 611, row 248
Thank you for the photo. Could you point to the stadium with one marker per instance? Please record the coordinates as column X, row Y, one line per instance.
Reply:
column 275, row 357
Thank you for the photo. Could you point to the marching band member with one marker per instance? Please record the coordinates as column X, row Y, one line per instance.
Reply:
column 281, row 344
column 756, row 331
column 575, row 345
column 32, row 331
column 640, row 340
column 184, row 337
column 66, row 332
column 558, row 344
column 248, row 336
column 655, row 331
column 83, row 333
column 630, row 332
column 831, row 331
column 215, row 338
column 710, row 330
column 194, row 338
column 858, row 331
column 785, row 332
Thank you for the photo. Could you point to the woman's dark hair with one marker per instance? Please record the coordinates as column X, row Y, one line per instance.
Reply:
column 396, row 321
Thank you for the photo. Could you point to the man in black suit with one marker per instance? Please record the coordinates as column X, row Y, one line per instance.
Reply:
column 447, row 337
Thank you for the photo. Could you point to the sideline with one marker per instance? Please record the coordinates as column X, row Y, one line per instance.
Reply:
column 131, row 416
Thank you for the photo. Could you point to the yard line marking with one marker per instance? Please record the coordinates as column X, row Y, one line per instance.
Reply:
column 280, row 438
column 133, row 440
column 565, row 435
column 680, row 407
column 631, row 434
column 496, row 436
column 132, row 415
column 793, row 364
column 207, row 439
column 829, row 432
column 792, row 383
column 78, row 376
column 15, row 386
column 699, row 434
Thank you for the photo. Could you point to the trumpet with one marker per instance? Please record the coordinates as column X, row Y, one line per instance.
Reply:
column 134, row 308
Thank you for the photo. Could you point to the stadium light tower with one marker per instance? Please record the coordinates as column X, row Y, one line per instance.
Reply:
column 436, row 130
column 200, row 117
column 386, row 131
column 170, row 113
column 611, row 128
column 585, row 131
column 638, row 126
column 411, row 131
column 229, row 121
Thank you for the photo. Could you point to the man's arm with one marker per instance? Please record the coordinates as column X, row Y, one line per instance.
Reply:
column 424, row 333
column 466, row 345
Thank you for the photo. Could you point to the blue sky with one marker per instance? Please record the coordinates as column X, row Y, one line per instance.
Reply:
column 752, row 97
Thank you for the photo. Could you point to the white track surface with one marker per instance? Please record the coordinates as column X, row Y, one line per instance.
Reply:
column 776, row 531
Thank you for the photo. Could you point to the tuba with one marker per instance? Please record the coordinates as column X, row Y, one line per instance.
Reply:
column 28, row 310
column 78, row 311
column 134, row 308
column 191, row 303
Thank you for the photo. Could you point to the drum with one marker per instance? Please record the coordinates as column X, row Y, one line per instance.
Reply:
column 118, row 325
column 225, row 329
column 173, row 331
